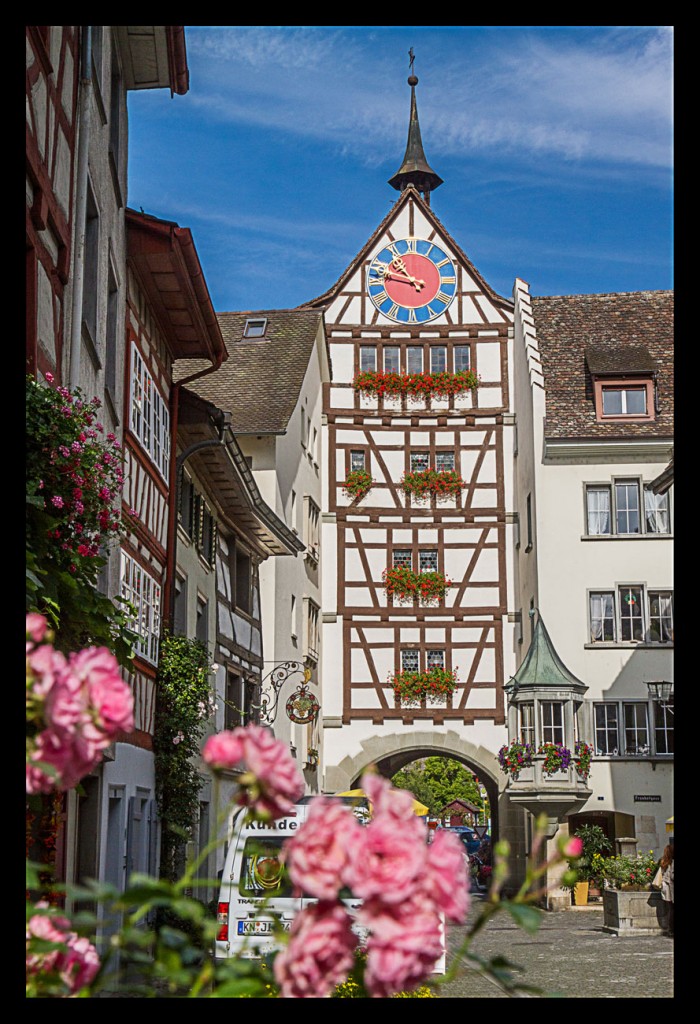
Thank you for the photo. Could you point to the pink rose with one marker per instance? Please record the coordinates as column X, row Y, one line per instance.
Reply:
column 110, row 697
column 271, row 782
column 402, row 949
column 387, row 862
column 36, row 627
column 572, row 847
column 75, row 960
column 318, row 854
column 44, row 667
column 319, row 955
column 445, row 880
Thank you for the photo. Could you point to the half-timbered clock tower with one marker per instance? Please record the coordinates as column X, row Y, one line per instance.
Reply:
column 418, row 629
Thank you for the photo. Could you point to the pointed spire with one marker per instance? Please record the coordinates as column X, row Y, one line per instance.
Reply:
column 415, row 169
column 542, row 666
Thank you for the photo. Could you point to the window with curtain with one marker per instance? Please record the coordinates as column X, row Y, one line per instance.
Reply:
column 598, row 511
column 656, row 512
column 527, row 722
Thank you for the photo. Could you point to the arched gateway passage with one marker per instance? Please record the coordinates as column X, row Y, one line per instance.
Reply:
column 390, row 752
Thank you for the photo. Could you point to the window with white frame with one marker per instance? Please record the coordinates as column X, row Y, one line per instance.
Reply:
column 414, row 359
column 626, row 508
column 357, row 461
column 143, row 591
column 663, row 726
column 527, row 722
column 390, row 356
column 410, row 661
column 419, row 461
column 368, row 357
column 444, row 462
column 438, row 359
column 552, row 712
column 631, row 614
column 427, row 560
column 636, row 717
column 150, row 418
column 462, row 358
column 402, row 558
column 312, row 516
column 313, row 614
column 255, row 328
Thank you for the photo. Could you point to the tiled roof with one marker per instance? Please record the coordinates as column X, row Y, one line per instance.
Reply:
column 617, row 331
column 259, row 383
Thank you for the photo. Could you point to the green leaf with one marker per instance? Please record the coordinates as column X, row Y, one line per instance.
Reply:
column 526, row 917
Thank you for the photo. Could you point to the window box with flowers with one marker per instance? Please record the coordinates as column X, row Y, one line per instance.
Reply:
column 514, row 757
column 582, row 759
column 432, row 686
column 403, row 585
column 442, row 483
column 557, row 758
column 357, row 484
column 372, row 382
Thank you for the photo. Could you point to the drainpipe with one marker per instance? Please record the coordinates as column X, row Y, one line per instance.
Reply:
column 175, row 485
column 80, row 206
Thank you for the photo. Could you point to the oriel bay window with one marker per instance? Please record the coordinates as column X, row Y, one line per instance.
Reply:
column 527, row 722
column 552, row 726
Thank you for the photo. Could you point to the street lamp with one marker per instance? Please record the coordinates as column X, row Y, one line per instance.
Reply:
column 663, row 692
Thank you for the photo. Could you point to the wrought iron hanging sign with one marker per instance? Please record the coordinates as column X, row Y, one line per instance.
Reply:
column 302, row 705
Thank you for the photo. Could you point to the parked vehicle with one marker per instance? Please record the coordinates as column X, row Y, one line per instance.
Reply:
column 467, row 835
column 256, row 899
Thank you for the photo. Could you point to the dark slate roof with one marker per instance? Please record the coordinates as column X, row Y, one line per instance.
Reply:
column 625, row 359
column 259, row 383
column 628, row 332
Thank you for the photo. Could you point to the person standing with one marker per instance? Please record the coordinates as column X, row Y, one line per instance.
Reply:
column 666, row 865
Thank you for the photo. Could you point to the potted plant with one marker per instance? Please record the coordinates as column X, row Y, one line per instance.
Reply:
column 630, row 905
column 590, row 864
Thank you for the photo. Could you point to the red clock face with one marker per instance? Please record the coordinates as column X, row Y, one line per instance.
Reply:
column 412, row 280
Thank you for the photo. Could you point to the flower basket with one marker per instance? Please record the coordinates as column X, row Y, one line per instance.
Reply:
column 433, row 686
column 514, row 757
column 582, row 759
column 557, row 758
column 403, row 585
column 373, row 382
column 357, row 484
column 444, row 484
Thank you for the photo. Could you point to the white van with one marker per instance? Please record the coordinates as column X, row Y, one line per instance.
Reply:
column 256, row 898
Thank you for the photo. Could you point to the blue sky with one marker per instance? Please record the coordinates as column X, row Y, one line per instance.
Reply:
column 554, row 142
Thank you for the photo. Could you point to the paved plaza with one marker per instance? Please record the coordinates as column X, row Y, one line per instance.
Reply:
column 569, row 956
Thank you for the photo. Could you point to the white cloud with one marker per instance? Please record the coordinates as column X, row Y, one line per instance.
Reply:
column 597, row 94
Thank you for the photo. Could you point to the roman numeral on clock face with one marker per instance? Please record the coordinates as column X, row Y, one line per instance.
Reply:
column 379, row 297
column 448, row 280
column 441, row 297
column 412, row 319
column 393, row 311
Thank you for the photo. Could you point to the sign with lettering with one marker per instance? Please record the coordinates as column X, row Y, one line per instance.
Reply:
column 644, row 798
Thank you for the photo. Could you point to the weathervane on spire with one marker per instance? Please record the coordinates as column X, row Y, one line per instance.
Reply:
column 411, row 59
column 415, row 169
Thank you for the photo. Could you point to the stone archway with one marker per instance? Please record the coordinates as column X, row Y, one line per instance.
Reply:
column 390, row 752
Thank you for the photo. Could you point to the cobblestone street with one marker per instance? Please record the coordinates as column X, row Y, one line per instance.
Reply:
column 570, row 956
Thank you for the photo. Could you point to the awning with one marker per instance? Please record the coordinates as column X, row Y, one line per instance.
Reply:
column 418, row 808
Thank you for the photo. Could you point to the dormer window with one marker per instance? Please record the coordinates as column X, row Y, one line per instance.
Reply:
column 255, row 328
column 623, row 383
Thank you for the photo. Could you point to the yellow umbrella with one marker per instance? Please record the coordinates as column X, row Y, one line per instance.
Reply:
column 669, row 824
column 418, row 808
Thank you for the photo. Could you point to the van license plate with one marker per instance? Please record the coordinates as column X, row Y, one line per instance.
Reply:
column 260, row 927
